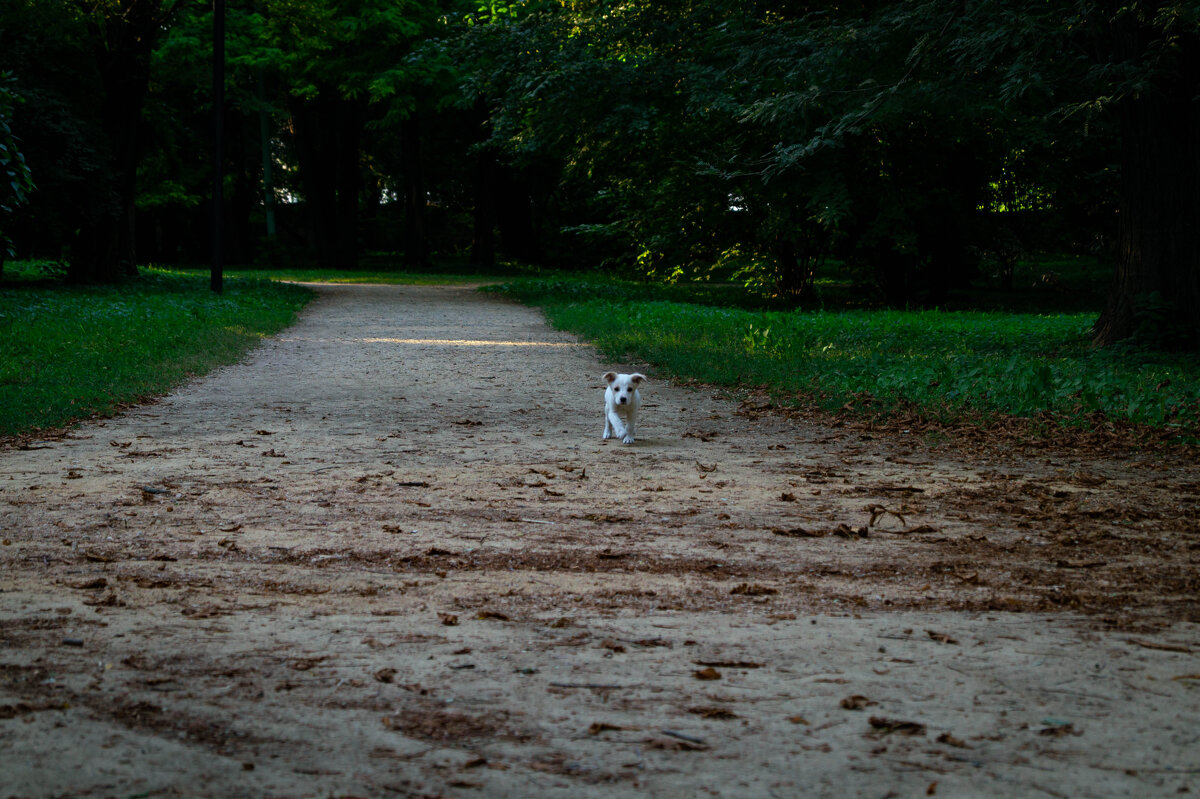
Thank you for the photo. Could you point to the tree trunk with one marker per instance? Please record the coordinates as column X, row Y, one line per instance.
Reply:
column 350, row 122
column 123, row 39
column 328, row 136
column 515, row 216
column 416, row 243
column 1155, row 294
column 264, row 143
column 483, row 242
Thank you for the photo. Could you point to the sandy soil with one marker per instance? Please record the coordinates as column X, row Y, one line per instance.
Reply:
column 389, row 555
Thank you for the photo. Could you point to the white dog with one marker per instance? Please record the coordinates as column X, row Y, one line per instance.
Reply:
column 621, row 403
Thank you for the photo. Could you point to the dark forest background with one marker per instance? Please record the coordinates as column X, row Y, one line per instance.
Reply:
column 913, row 147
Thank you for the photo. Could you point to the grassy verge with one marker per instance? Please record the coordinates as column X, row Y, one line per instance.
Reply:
column 67, row 353
column 449, row 273
column 950, row 366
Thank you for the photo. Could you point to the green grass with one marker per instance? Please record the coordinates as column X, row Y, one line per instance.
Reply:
column 950, row 366
column 67, row 353
column 447, row 273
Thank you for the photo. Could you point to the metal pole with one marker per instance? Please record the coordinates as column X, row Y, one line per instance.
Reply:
column 218, row 94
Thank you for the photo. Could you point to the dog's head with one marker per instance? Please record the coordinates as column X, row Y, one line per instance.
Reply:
column 623, row 387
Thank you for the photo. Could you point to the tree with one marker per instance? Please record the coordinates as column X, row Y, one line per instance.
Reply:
column 1034, row 72
column 345, row 66
column 772, row 132
column 122, row 35
column 81, row 81
column 16, row 181
column 1155, row 296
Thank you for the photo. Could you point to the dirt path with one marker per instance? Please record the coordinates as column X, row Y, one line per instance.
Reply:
column 389, row 555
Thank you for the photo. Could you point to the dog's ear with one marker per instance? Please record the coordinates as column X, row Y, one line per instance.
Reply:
column 609, row 377
column 637, row 378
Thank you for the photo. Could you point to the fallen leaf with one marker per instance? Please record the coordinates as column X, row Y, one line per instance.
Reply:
column 491, row 614
column 598, row 727
column 888, row 726
column 649, row 642
column 385, row 675
column 921, row 528
column 448, row 619
column 1088, row 479
column 950, row 740
column 798, row 720
column 110, row 600
column 1058, row 730
column 752, row 589
column 729, row 664
column 713, row 713
column 879, row 511
column 797, row 532
column 857, row 702
column 707, row 674
column 941, row 638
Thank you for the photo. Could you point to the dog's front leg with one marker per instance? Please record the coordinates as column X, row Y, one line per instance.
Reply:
column 614, row 425
column 629, row 426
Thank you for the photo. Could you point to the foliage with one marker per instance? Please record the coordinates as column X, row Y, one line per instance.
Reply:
column 917, row 146
column 914, row 141
column 16, row 181
column 948, row 364
column 69, row 353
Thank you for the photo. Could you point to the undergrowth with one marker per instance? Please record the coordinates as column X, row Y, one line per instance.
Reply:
column 949, row 365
